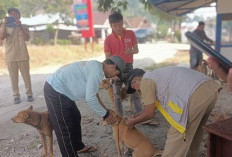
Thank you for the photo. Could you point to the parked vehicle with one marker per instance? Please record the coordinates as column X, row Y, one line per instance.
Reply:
column 144, row 34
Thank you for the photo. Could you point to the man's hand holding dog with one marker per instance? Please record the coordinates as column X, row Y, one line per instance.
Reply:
column 110, row 119
column 130, row 123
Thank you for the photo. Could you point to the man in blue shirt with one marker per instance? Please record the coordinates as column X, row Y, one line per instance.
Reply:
column 74, row 82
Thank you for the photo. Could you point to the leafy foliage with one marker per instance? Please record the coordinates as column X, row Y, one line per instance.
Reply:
column 162, row 31
column 50, row 28
column 5, row 5
column 118, row 5
column 31, row 7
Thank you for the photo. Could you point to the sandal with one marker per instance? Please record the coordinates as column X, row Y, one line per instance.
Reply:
column 88, row 150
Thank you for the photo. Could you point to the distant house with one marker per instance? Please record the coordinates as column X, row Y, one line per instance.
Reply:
column 138, row 22
column 101, row 25
column 144, row 30
column 38, row 26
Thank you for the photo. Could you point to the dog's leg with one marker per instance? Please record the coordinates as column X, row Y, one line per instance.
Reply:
column 131, row 106
column 117, row 140
column 51, row 146
column 118, row 146
column 43, row 139
column 111, row 95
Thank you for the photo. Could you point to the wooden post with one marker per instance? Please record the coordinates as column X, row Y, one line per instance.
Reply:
column 86, row 45
column 92, row 44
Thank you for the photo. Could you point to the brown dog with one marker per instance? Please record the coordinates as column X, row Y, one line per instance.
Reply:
column 106, row 84
column 203, row 67
column 132, row 138
column 220, row 116
column 39, row 120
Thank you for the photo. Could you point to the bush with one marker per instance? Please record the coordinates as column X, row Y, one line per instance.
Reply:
column 178, row 35
column 50, row 28
column 162, row 31
column 37, row 40
column 60, row 42
column 64, row 42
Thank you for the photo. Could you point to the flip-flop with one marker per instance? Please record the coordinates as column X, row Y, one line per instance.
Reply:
column 89, row 150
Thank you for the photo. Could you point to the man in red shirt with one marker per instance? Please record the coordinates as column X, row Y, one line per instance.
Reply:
column 124, row 44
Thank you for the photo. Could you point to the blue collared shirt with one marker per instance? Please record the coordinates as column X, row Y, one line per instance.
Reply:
column 80, row 81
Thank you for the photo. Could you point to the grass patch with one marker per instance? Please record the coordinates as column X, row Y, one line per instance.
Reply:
column 41, row 56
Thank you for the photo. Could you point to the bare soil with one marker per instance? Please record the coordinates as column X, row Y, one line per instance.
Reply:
column 20, row 140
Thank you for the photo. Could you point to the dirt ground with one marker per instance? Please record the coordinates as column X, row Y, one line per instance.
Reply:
column 20, row 140
column 24, row 141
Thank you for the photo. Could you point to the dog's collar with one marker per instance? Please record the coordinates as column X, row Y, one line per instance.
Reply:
column 108, row 87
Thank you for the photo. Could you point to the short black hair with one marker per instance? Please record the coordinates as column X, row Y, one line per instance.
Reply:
column 201, row 23
column 14, row 9
column 130, row 76
column 110, row 62
column 115, row 17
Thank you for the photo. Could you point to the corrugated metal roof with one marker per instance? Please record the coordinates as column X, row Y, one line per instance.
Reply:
column 180, row 7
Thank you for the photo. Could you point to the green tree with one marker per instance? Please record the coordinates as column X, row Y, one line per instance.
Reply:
column 5, row 5
column 63, row 9
column 29, row 8
column 162, row 31
column 118, row 5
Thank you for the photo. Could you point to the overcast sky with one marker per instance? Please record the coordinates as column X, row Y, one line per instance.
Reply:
column 206, row 12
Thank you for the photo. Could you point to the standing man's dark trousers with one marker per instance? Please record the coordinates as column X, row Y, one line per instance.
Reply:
column 65, row 118
column 195, row 59
column 135, row 98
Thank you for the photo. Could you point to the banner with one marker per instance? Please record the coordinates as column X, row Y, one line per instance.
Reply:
column 84, row 17
column 81, row 15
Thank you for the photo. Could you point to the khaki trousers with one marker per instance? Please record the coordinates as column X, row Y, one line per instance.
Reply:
column 201, row 103
column 14, row 68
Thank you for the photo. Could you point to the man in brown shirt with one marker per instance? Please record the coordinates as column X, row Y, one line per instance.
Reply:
column 185, row 103
column 17, row 57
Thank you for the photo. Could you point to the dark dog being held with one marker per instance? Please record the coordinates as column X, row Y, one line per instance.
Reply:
column 106, row 84
column 131, row 138
column 41, row 121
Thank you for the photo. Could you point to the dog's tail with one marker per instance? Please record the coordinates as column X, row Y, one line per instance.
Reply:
column 158, row 152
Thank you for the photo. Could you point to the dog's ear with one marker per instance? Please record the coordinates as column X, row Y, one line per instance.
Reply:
column 30, row 108
column 105, row 80
column 26, row 115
